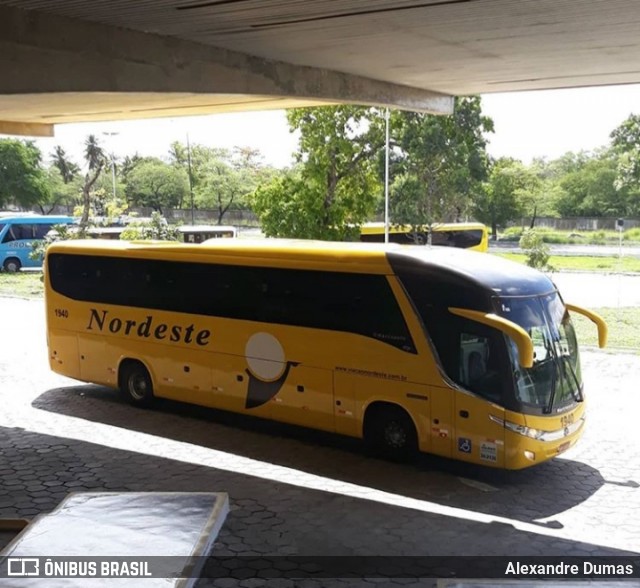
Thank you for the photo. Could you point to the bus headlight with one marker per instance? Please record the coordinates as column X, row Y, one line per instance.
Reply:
column 525, row 431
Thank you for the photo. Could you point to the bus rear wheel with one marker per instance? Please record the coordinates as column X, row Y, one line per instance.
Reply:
column 12, row 264
column 390, row 432
column 136, row 384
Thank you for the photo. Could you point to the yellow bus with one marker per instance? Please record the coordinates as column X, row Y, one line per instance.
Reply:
column 441, row 350
column 462, row 235
column 202, row 233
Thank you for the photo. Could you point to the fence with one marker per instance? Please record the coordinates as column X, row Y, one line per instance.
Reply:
column 580, row 223
column 242, row 218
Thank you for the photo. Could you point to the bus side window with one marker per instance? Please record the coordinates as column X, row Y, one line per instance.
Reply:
column 17, row 232
column 41, row 230
column 477, row 365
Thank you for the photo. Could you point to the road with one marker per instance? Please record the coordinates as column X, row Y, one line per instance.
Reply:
column 587, row 250
column 598, row 290
column 299, row 492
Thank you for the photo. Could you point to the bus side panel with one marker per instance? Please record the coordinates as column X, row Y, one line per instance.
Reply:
column 306, row 398
column 212, row 379
column 412, row 397
column 230, row 383
column 63, row 353
column 442, row 425
column 184, row 374
column 93, row 367
column 479, row 438
column 348, row 419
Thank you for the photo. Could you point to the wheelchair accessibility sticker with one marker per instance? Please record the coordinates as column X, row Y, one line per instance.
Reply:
column 464, row 445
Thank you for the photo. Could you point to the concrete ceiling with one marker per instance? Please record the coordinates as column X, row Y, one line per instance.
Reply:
column 104, row 59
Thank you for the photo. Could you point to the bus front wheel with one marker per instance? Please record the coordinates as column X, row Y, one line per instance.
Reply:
column 12, row 264
column 390, row 432
column 136, row 384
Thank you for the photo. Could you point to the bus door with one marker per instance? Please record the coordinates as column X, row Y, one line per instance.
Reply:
column 305, row 398
column 479, row 429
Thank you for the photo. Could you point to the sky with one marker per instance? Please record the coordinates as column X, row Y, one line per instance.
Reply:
column 545, row 123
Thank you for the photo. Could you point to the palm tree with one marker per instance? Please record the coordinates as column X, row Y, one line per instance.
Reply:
column 96, row 159
column 68, row 169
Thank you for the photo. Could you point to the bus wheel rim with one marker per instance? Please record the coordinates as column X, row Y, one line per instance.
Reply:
column 395, row 435
column 138, row 387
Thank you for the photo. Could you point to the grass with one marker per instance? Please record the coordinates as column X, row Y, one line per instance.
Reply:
column 558, row 237
column 624, row 328
column 21, row 284
column 585, row 263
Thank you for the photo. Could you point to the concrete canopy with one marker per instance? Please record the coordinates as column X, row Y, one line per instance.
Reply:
column 73, row 60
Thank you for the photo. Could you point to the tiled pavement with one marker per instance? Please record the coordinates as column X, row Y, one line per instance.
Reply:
column 302, row 493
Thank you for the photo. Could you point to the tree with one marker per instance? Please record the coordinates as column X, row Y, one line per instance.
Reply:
column 442, row 162
column 501, row 201
column 536, row 251
column 157, row 229
column 22, row 178
column 58, row 192
column 626, row 145
column 592, row 188
column 221, row 185
column 96, row 160
column 155, row 184
column 333, row 189
column 68, row 169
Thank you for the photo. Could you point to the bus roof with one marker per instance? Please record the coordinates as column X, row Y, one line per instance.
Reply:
column 487, row 272
column 377, row 228
column 37, row 218
column 205, row 228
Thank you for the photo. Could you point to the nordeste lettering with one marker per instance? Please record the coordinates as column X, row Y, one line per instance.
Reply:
column 148, row 328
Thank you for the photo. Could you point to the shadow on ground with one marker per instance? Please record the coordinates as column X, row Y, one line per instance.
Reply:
column 529, row 495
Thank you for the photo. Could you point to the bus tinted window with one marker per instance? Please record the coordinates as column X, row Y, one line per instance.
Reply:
column 462, row 239
column 41, row 230
column 18, row 231
column 359, row 303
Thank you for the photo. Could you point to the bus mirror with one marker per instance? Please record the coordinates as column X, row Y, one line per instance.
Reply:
column 603, row 331
column 515, row 332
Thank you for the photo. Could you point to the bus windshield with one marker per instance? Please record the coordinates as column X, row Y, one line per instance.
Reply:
column 554, row 382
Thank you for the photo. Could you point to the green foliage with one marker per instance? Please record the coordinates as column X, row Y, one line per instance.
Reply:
column 511, row 234
column 22, row 179
column 57, row 233
column 631, row 235
column 334, row 188
column 597, row 238
column 67, row 168
column 156, row 230
column 536, row 251
column 156, row 184
column 439, row 163
column 590, row 189
column 220, row 179
column 95, row 159
column 287, row 207
column 502, row 200
column 58, row 191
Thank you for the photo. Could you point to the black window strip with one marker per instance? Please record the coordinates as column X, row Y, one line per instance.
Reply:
column 358, row 303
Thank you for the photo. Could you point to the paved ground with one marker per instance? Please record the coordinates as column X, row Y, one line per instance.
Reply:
column 303, row 493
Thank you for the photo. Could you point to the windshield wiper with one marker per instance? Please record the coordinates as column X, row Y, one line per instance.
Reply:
column 566, row 361
column 552, row 396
